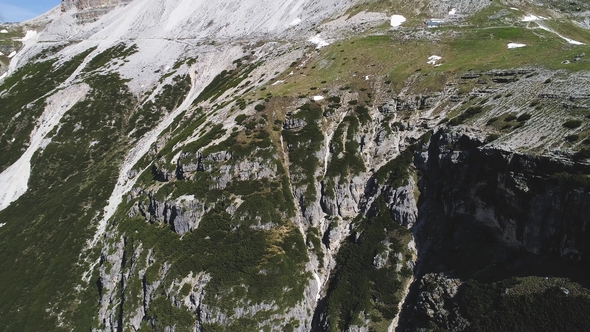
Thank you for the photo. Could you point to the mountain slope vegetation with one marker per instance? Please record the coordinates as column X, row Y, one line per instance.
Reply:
column 296, row 166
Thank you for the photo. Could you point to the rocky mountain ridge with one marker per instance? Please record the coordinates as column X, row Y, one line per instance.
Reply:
column 309, row 166
column 90, row 11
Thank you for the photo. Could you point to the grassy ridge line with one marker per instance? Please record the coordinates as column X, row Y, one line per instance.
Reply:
column 461, row 48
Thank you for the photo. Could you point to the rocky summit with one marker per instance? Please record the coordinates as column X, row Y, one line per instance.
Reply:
column 296, row 165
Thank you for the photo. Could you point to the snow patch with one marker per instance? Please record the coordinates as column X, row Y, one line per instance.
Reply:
column 516, row 45
column 514, row 8
column 571, row 41
column 397, row 20
column 453, row 11
column 29, row 35
column 532, row 18
column 295, row 22
column 3, row 76
column 277, row 82
column 2, row 224
column 433, row 59
column 3, row 31
column 12, row 54
column 538, row 19
column 318, row 41
column 14, row 180
column 318, row 98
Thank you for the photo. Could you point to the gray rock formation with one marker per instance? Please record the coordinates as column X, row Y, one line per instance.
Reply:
column 183, row 214
column 293, row 124
column 91, row 10
column 110, row 280
column 402, row 204
column 346, row 199
column 502, row 191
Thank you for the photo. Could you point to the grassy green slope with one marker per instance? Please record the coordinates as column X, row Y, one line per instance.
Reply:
column 48, row 227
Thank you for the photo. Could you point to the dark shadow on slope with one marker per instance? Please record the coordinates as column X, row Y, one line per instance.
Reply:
column 319, row 323
column 489, row 217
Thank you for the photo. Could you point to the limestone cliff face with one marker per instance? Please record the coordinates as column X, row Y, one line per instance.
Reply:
column 528, row 202
column 490, row 212
column 91, row 10
column 215, row 205
column 90, row 4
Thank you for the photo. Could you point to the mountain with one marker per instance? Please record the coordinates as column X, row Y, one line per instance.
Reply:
column 296, row 165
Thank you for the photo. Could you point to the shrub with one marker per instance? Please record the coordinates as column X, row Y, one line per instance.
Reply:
column 491, row 121
column 583, row 153
column 572, row 124
column 571, row 180
column 523, row 117
column 492, row 137
column 488, row 308
column 260, row 107
column 510, row 117
column 469, row 112
column 334, row 99
column 305, row 143
column 363, row 114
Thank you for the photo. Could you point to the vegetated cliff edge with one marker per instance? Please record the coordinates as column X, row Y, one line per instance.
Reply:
column 253, row 181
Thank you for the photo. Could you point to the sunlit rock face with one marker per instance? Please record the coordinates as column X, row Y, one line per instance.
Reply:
column 91, row 10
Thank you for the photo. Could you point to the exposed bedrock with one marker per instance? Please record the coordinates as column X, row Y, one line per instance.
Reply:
column 91, row 10
column 528, row 202
column 488, row 214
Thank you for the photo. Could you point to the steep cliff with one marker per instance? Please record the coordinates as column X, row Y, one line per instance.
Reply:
column 497, row 215
column 91, row 10
column 531, row 202
column 296, row 166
